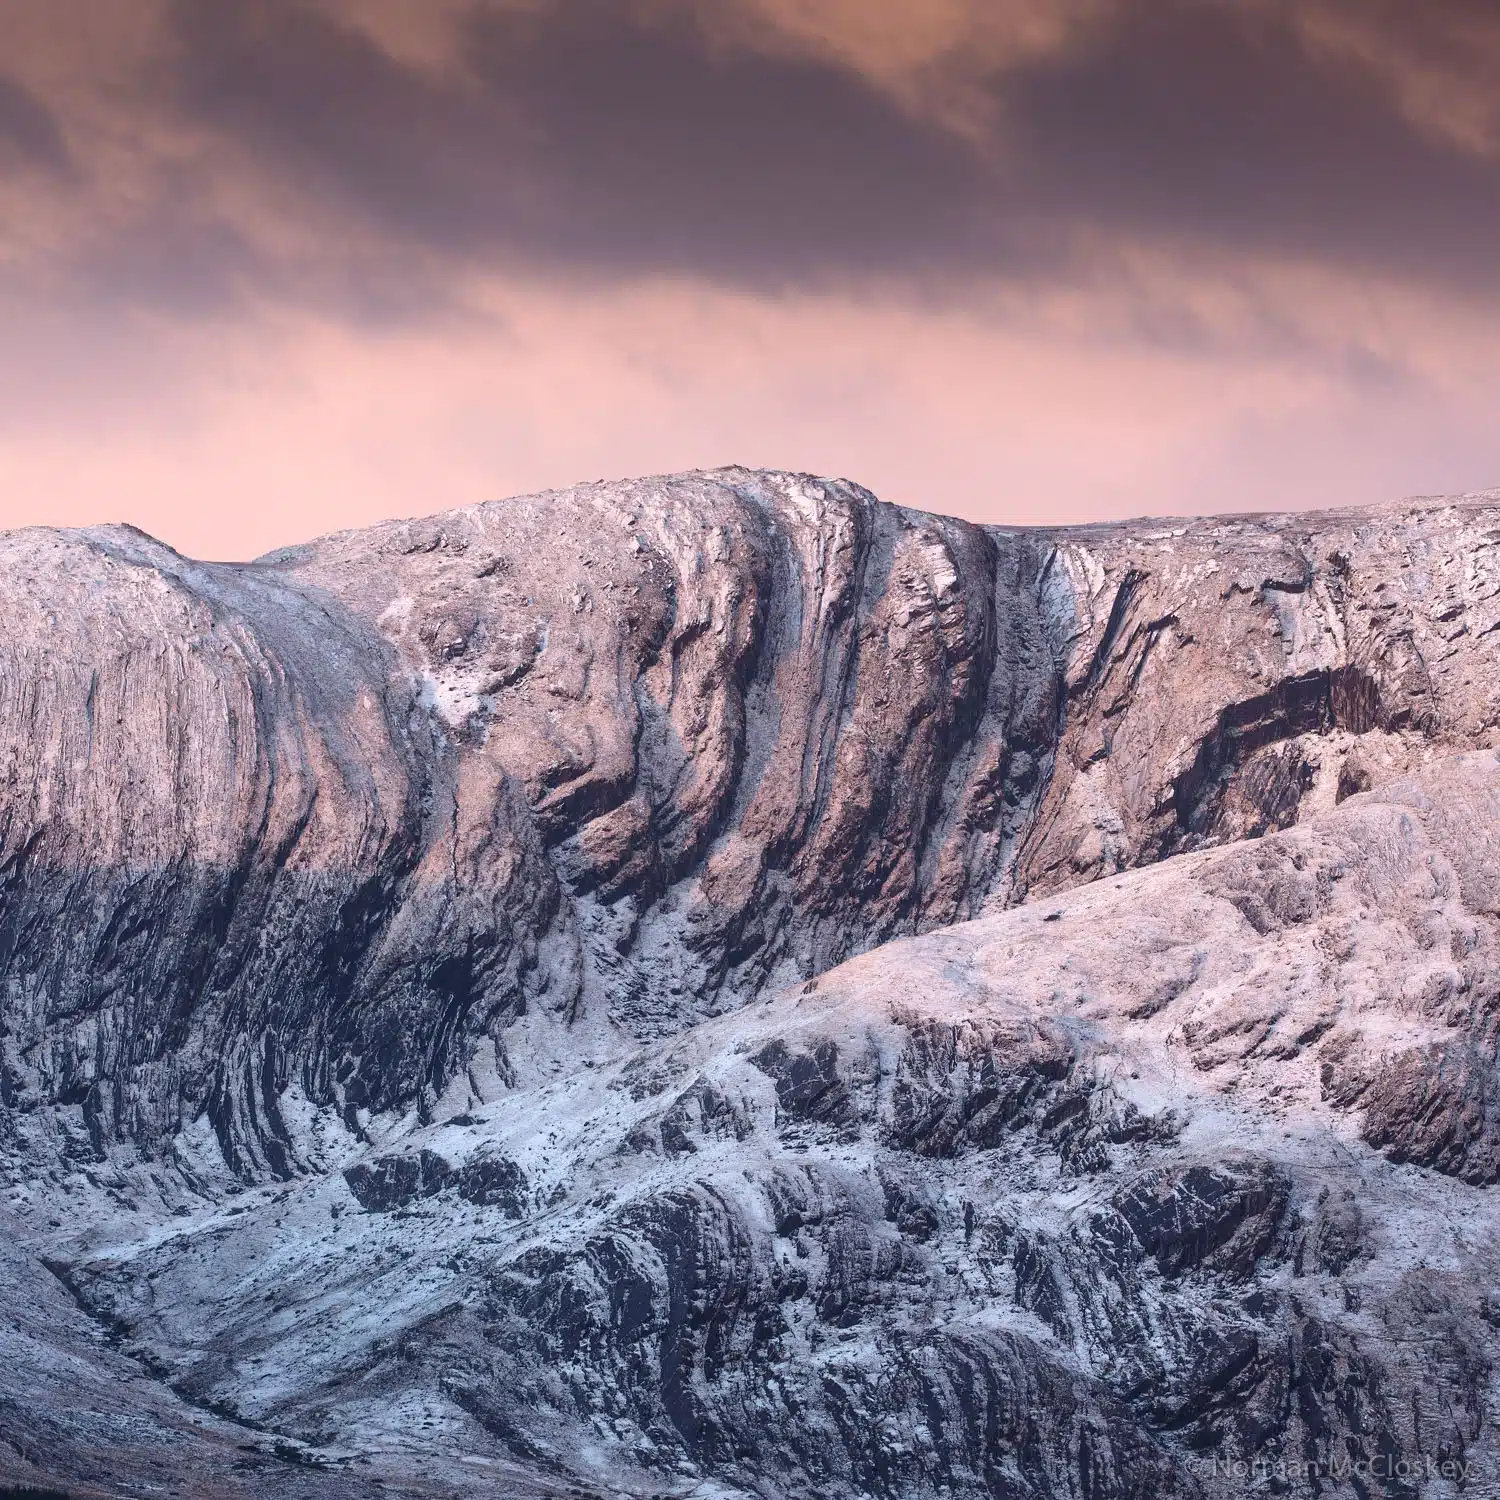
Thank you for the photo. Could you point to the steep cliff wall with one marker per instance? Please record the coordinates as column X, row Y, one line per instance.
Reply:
column 431, row 1043
column 619, row 757
column 1112, row 1195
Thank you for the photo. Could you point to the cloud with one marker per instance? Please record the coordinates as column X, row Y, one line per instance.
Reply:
column 620, row 139
column 582, row 137
column 376, row 154
column 1217, row 125
column 1440, row 61
column 30, row 137
column 326, row 259
column 242, row 438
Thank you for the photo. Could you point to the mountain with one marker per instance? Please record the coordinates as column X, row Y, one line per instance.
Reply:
column 717, row 985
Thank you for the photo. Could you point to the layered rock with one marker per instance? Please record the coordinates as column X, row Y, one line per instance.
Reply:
column 1074, row 1200
column 311, row 823
column 438, row 872
column 1228, row 676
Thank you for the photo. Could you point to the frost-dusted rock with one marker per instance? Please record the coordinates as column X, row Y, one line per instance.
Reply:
column 321, row 825
column 1226, row 1214
column 570, row 880
column 392, row 1182
column 1064, row 1195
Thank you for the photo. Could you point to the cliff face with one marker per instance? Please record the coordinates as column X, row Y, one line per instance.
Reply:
column 1226, row 677
column 507, row 815
column 311, row 823
column 1108, row 1195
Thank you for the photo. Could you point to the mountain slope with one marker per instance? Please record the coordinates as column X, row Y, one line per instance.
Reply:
column 509, row 814
column 1097, row 1198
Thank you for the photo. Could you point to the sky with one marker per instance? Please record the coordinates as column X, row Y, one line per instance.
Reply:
column 272, row 268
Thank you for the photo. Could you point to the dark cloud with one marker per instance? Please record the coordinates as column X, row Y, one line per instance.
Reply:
column 30, row 136
column 581, row 138
column 611, row 138
column 178, row 253
column 1216, row 124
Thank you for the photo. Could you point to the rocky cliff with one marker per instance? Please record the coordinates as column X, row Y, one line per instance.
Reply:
column 429, row 1046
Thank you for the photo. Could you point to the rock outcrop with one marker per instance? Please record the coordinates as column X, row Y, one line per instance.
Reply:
column 433, row 1038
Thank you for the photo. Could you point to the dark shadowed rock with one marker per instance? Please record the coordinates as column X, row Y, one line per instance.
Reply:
column 397, row 1181
column 1225, row 1216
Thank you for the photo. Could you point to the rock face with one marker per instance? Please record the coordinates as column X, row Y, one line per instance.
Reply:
column 433, row 1041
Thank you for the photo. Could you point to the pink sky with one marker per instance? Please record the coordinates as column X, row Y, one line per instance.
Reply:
column 307, row 268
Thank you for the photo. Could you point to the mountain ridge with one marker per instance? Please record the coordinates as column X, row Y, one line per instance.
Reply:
column 301, row 858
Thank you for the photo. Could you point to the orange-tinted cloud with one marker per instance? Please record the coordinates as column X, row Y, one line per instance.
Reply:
column 328, row 149
column 1440, row 62
column 284, row 264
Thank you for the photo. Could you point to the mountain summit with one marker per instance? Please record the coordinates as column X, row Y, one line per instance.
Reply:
column 716, row 985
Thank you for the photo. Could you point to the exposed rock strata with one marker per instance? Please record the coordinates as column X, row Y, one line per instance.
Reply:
column 378, row 922
column 984, row 1211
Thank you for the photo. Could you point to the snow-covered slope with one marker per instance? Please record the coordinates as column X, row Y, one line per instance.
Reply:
column 413, row 1054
